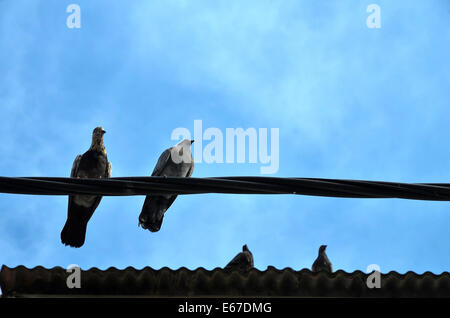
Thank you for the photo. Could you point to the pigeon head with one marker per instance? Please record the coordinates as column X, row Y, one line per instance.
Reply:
column 97, row 139
column 322, row 249
column 185, row 143
column 182, row 152
column 98, row 131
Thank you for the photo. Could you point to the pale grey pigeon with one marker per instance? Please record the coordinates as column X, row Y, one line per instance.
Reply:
column 241, row 262
column 176, row 161
column 322, row 263
column 92, row 164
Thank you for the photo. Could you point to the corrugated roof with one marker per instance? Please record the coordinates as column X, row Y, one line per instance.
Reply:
column 39, row 281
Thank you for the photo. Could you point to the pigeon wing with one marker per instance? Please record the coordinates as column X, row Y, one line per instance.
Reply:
column 240, row 261
column 329, row 265
column 108, row 170
column 191, row 168
column 315, row 266
column 107, row 175
column 74, row 172
column 162, row 162
column 76, row 163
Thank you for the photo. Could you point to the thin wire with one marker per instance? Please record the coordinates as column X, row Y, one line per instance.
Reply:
column 126, row 186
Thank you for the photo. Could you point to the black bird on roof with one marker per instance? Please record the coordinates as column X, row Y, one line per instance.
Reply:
column 92, row 164
column 241, row 262
column 322, row 263
column 175, row 161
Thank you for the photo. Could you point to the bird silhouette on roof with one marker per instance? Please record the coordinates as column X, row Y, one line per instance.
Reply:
column 322, row 263
column 241, row 262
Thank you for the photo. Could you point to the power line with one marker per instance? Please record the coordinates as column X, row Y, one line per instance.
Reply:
column 125, row 186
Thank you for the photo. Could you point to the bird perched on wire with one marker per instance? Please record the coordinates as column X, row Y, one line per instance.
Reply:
column 322, row 263
column 92, row 164
column 242, row 262
column 176, row 161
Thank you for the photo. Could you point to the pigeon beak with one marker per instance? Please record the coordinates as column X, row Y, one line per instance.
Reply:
column 192, row 141
column 104, row 131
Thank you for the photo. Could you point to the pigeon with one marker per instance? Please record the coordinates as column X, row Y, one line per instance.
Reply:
column 242, row 262
column 92, row 164
column 322, row 263
column 176, row 161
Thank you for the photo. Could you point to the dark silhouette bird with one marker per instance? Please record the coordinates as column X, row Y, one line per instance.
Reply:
column 176, row 161
column 241, row 262
column 322, row 263
column 92, row 164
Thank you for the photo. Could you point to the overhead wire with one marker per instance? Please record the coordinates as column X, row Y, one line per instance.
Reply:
column 127, row 186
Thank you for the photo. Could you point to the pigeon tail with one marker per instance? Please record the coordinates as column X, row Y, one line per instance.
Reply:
column 74, row 231
column 153, row 211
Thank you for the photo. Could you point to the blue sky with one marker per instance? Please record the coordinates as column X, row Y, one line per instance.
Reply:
column 350, row 102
